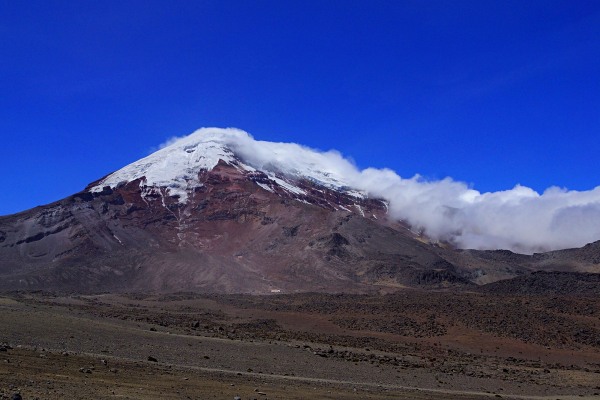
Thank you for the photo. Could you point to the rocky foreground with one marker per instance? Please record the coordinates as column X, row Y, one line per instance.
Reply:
column 413, row 344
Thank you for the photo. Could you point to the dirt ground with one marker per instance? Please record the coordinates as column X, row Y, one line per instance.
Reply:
column 413, row 345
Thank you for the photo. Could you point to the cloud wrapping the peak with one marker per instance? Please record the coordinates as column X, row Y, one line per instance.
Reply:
column 519, row 219
column 168, row 142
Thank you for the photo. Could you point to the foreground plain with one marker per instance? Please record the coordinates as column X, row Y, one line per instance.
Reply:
column 409, row 345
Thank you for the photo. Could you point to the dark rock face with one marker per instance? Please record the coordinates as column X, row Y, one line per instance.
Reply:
column 549, row 283
column 233, row 235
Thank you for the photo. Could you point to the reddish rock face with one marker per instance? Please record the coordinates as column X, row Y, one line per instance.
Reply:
column 237, row 232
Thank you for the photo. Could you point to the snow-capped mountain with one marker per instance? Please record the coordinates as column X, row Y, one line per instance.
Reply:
column 219, row 211
column 177, row 167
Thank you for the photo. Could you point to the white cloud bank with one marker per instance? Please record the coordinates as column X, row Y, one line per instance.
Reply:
column 519, row 219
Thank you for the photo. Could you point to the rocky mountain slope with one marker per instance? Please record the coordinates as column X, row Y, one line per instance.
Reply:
column 203, row 214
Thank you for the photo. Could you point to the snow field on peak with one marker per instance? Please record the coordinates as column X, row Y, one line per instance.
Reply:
column 174, row 167
column 177, row 165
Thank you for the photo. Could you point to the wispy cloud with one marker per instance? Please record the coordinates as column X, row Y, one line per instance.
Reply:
column 164, row 144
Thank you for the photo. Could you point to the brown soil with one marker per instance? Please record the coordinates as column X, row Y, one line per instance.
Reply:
column 410, row 345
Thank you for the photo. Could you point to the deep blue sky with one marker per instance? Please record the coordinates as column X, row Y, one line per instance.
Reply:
column 493, row 93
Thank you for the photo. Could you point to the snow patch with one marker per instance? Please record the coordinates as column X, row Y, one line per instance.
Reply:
column 287, row 186
column 118, row 240
column 265, row 186
column 360, row 210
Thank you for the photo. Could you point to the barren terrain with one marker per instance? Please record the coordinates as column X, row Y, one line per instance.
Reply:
column 413, row 344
